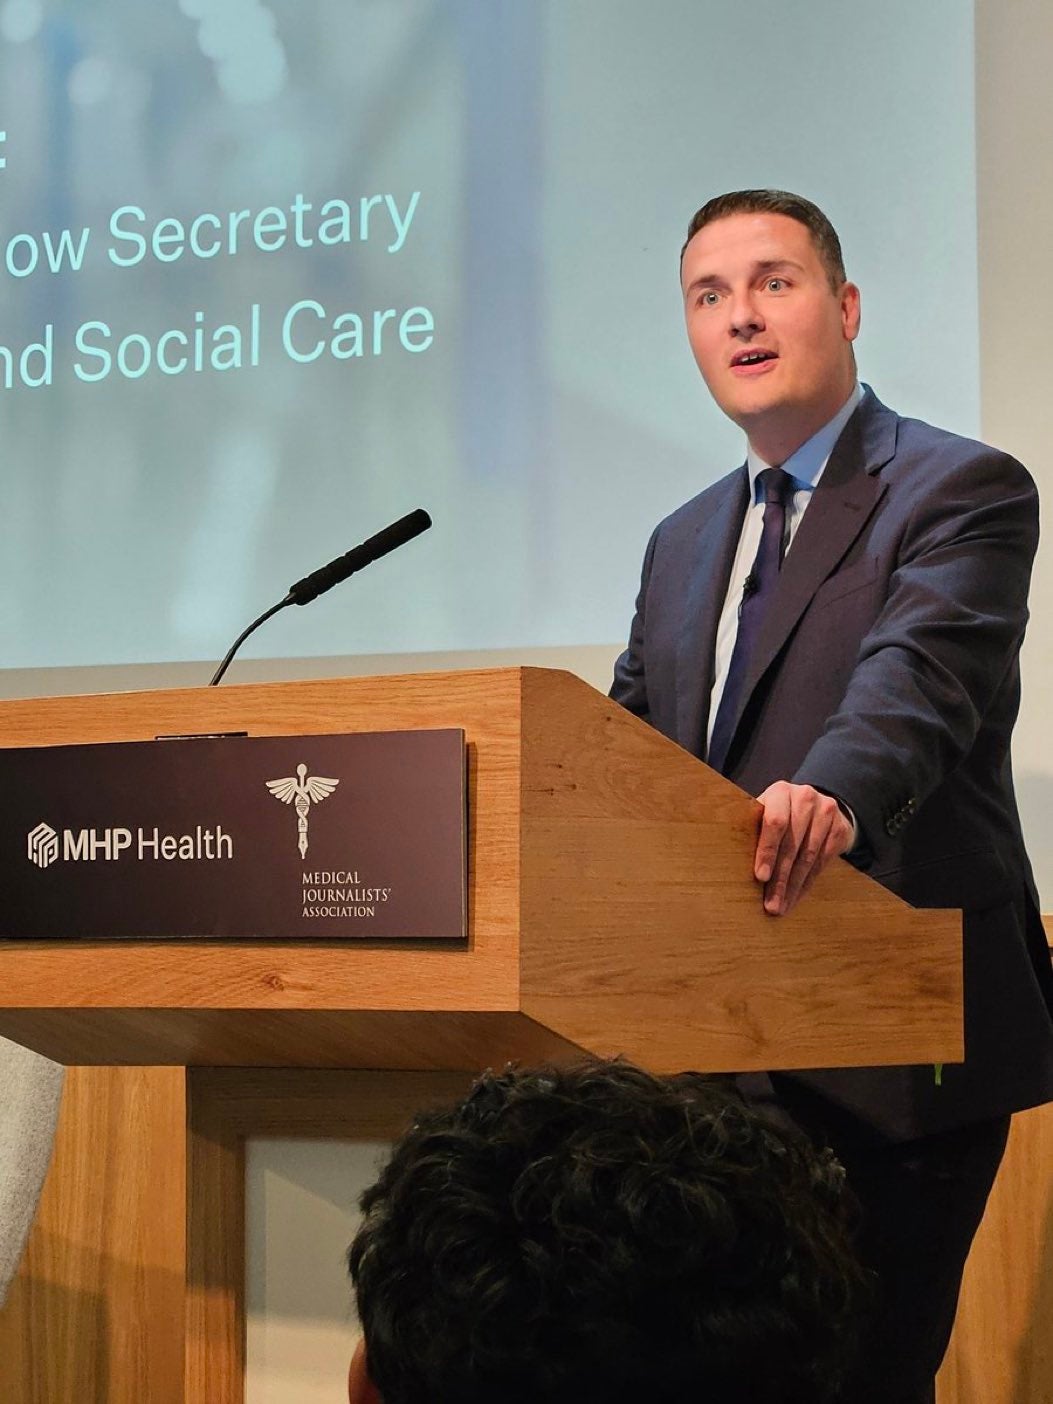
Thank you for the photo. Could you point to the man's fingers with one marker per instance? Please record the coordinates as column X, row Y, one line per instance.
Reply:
column 774, row 824
column 801, row 831
column 791, row 821
column 833, row 848
column 809, row 859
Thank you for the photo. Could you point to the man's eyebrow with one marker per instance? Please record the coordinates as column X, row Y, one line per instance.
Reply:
column 767, row 264
column 764, row 265
column 705, row 280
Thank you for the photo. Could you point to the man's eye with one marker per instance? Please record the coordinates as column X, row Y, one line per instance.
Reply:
column 776, row 284
column 708, row 299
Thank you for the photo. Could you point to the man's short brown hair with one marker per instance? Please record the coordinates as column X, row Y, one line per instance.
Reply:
column 781, row 202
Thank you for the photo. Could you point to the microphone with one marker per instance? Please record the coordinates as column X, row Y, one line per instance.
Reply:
column 315, row 584
column 750, row 586
column 390, row 539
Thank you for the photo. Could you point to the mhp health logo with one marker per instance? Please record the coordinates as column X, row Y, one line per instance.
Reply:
column 43, row 845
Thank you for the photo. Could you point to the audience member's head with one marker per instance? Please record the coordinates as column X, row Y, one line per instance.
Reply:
column 595, row 1233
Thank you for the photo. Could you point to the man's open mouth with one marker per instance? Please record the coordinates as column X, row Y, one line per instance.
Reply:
column 753, row 358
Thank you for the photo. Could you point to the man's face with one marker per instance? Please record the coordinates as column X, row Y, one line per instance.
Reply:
column 770, row 336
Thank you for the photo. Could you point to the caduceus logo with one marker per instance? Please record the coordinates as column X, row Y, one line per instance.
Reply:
column 302, row 790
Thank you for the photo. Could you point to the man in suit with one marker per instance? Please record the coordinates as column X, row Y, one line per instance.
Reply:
column 836, row 627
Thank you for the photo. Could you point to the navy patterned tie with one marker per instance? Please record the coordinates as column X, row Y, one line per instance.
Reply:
column 757, row 595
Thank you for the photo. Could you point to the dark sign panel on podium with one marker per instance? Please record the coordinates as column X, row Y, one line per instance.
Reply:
column 319, row 837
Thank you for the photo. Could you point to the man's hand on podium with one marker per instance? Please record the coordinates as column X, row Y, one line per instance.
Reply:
column 801, row 830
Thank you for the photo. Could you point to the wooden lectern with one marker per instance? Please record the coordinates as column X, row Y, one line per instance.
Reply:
column 611, row 908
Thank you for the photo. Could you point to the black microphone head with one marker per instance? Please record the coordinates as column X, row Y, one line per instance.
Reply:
column 398, row 533
column 390, row 539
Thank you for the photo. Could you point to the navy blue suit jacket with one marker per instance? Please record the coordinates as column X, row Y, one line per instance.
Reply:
column 887, row 674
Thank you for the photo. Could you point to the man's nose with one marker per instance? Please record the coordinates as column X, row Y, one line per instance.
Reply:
column 745, row 317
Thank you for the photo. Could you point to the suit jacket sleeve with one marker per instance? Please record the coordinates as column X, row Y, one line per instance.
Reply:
column 630, row 678
column 938, row 664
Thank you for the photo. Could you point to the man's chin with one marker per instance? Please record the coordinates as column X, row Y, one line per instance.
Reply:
column 752, row 411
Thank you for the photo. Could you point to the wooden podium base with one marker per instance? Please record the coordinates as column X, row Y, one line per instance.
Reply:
column 96, row 1312
column 132, row 1287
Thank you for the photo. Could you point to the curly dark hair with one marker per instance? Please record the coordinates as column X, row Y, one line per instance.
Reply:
column 781, row 202
column 596, row 1233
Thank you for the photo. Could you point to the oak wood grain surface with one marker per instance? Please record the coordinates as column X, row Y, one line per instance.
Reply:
column 95, row 1315
column 642, row 930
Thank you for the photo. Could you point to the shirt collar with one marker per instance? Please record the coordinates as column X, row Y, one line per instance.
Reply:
column 805, row 465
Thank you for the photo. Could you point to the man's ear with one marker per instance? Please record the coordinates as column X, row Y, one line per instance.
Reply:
column 360, row 1388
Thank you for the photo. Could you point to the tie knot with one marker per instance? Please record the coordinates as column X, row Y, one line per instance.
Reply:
column 776, row 486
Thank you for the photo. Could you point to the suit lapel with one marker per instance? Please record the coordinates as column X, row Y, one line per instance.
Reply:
column 713, row 555
column 848, row 492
